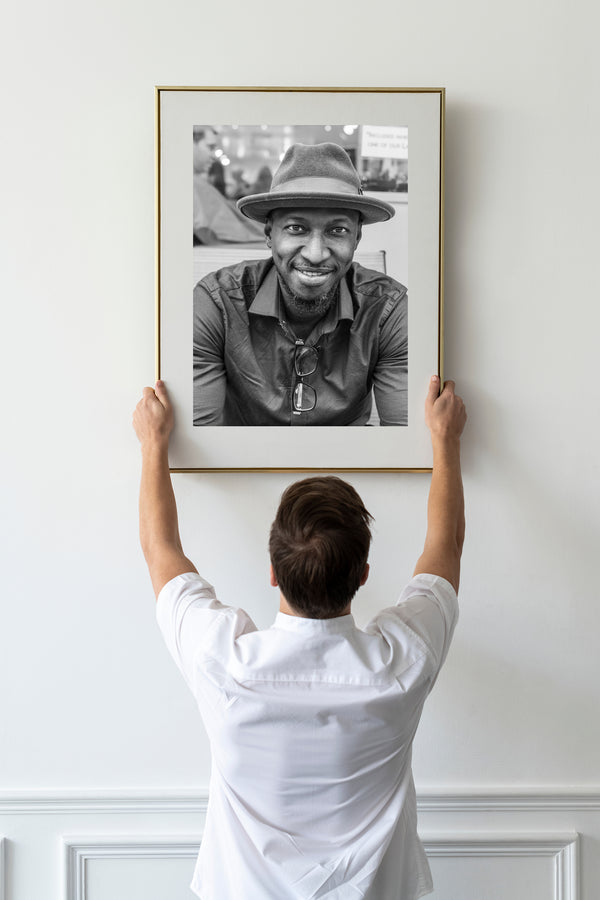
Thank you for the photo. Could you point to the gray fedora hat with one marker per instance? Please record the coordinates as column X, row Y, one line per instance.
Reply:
column 316, row 175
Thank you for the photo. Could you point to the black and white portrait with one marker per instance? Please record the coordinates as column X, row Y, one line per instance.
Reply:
column 300, row 244
column 285, row 263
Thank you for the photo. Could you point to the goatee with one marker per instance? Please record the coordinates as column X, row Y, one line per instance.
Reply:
column 309, row 308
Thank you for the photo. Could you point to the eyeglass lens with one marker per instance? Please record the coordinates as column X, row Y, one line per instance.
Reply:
column 305, row 360
column 304, row 397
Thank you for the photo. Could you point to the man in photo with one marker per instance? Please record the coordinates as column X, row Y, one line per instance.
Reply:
column 308, row 336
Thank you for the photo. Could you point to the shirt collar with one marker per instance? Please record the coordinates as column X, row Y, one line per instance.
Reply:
column 266, row 301
column 346, row 306
column 314, row 626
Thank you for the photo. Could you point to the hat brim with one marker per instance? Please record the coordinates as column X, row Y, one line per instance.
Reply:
column 258, row 206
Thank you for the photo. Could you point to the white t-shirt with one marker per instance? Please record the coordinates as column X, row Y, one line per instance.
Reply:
column 311, row 724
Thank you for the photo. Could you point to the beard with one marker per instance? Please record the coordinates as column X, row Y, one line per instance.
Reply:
column 308, row 308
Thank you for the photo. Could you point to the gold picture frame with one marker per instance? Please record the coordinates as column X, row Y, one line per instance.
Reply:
column 418, row 112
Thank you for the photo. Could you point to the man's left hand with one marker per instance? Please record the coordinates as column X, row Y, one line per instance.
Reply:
column 153, row 416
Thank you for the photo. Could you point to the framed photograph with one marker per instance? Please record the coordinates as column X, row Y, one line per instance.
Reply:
column 299, row 275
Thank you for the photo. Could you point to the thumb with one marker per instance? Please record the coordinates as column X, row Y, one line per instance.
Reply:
column 161, row 393
column 434, row 389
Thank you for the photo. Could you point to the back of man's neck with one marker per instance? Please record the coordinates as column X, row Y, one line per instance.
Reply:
column 284, row 607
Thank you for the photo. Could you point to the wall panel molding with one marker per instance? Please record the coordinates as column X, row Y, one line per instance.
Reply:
column 563, row 849
column 165, row 801
column 2, row 868
column 509, row 801
column 464, row 825
column 95, row 802
column 78, row 851
column 545, row 827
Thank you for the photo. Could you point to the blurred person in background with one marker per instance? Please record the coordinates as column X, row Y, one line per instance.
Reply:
column 216, row 220
column 216, row 176
column 239, row 186
column 263, row 182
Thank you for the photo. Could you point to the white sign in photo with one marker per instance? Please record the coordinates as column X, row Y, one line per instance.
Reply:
column 384, row 142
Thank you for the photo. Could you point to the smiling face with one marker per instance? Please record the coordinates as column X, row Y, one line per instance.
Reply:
column 312, row 251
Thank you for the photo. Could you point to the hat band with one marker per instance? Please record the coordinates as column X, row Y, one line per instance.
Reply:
column 315, row 184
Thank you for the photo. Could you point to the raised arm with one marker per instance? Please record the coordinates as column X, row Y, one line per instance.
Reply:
column 159, row 529
column 445, row 416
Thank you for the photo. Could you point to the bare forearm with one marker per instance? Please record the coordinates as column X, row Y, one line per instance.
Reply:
column 446, row 506
column 158, row 510
column 445, row 415
column 445, row 515
column 159, row 529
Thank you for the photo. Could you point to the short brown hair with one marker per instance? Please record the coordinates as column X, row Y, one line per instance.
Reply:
column 319, row 545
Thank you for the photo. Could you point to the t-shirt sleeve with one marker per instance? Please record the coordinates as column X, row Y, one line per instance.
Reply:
column 188, row 614
column 428, row 605
column 422, row 622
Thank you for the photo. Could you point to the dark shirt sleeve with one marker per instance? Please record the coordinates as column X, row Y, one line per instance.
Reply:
column 390, row 378
column 210, row 376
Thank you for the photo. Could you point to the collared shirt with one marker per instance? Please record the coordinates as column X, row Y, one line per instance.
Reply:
column 311, row 724
column 244, row 371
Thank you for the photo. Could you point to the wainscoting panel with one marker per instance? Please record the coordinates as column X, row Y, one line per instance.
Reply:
column 142, row 845
column 126, row 867
column 496, row 867
column 2, row 868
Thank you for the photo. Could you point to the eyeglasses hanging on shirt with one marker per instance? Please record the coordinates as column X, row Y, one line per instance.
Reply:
column 304, row 397
column 306, row 359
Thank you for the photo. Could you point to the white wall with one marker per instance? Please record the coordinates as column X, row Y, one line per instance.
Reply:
column 90, row 701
